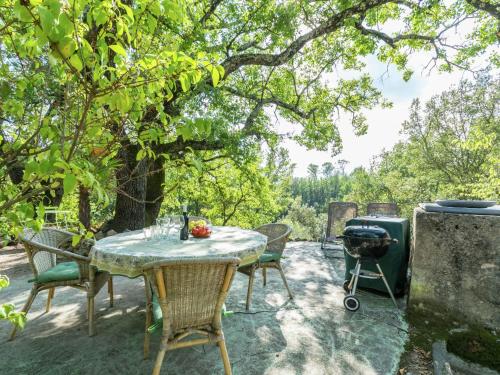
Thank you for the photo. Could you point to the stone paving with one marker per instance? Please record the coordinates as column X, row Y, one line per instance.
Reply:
column 311, row 334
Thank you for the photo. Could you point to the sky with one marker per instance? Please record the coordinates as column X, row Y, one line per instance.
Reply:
column 384, row 124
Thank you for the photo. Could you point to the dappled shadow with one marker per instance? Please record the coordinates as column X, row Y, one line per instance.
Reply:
column 310, row 334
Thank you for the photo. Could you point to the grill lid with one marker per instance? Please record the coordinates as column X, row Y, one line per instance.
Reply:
column 365, row 232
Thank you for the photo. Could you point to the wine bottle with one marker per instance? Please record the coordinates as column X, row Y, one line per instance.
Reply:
column 185, row 229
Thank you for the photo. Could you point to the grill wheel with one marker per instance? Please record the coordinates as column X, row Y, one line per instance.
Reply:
column 351, row 303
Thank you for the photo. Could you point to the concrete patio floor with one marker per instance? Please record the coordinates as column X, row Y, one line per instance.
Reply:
column 311, row 334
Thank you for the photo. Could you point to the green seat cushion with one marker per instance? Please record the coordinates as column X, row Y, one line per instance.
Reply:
column 157, row 314
column 269, row 257
column 62, row 272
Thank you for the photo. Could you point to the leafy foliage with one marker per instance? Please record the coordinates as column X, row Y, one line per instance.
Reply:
column 306, row 223
column 7, row 311
column 452, row 151
column 111, row 96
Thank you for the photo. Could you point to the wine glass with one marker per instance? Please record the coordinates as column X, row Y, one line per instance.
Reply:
column 165, row 224
column 177, row 222
column 147, row 233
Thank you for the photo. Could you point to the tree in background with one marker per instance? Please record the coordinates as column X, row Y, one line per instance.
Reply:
column 231, row 194
column 452, row 151
column 327, row 169
column 312, row 171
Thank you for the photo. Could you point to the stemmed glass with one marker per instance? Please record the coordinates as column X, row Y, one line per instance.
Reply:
column 165, row 225
column 177, row 222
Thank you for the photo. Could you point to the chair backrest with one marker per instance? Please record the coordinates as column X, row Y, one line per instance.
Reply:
column 191, row 291
column 277, row 236
column 36, row 245
column 382, row 209
column 338, row 214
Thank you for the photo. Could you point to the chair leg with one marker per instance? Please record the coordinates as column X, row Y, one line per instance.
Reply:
column 278, row 266
column 147, row 335
column 110, row 291
column 250, row 288
column 225, row 357
column 49, row 299
column 159, row 359
column 90, row 301
column 264, row 275
column 25, row 309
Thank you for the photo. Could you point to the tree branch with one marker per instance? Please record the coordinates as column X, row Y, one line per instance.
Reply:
column 213, row 6
column 263, row 101
column 493, row 10
column 233, row 63
column 180, row 145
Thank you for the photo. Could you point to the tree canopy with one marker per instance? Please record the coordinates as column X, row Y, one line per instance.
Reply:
column 111, row 96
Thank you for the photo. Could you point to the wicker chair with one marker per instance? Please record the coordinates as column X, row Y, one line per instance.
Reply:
column 338, row 214
column 277, row 235
column 382, row 209
column 42, row 249
column 191, row 293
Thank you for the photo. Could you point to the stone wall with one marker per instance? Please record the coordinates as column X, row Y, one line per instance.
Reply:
column 456, row 266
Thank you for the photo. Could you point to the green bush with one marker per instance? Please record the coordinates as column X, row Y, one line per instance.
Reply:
column 305, row 222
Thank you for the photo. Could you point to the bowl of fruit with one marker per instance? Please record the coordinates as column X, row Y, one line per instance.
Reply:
column 200, row 229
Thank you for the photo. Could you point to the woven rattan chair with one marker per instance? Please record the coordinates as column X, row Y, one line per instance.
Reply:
column 277, row 237
column 191, row 293
column 382, row 209
column 338, row 214
column 42, row 249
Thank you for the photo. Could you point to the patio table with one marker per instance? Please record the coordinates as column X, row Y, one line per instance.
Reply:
column 126, row 253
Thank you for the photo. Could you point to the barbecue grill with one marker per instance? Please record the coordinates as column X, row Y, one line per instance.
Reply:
column 365, row 243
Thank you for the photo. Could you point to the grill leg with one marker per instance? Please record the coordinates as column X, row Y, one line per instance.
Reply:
column 386, row 284
column 355, row 277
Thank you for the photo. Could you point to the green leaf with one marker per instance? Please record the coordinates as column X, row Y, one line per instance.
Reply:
column 46, row 19
column 118, row 49
column 4, row 281
column 66, row 46
column 75, row 240
column 100, row 16
column 76, row 62
column 185, row 131
column 215, row 76
column 22, row 13
column 69, row 183
column 185, row 84
column 141, row 154
column 129, row 11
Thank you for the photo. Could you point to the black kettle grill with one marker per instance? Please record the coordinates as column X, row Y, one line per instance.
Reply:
column 366, row 243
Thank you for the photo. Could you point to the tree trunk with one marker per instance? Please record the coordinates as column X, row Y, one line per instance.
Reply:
column 154, row 191
column 131, row 191
column 84, row 207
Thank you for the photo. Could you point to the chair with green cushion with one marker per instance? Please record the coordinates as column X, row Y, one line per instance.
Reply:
column 44, row 250
column 277, row 235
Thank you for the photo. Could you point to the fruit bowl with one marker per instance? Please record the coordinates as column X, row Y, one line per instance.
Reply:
column 206, row 235
column 201, row 232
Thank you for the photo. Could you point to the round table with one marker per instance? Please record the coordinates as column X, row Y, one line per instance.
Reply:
column 126, row 253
